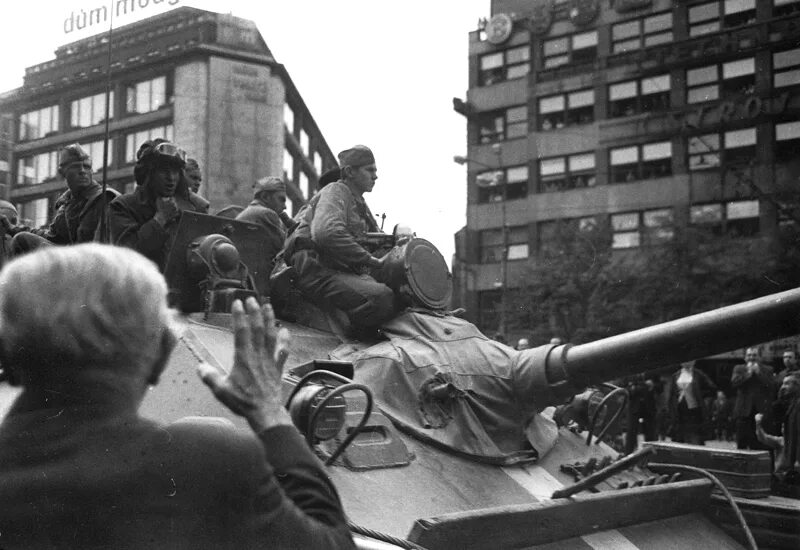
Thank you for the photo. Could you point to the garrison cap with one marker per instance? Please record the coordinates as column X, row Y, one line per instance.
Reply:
column 270, row 183
column 358, row 155
column 73, row 153
column 9, row 211
column 192, row 164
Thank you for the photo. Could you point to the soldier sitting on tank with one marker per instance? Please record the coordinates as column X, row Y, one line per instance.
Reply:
column 85, row 332
column 333, row 268
column 269, row 201
column 9, row 212
column 79, row 209
column 189, row 184
column 145, row 218
column 787, row 447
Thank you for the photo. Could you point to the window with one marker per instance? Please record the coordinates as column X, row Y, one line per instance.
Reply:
column 508, row 183
column 785, row 7
column 736, row 218
column 634, row 35
column 738, row 77
column 489, row 305
column 147, row 96
column 504, row 65
column 713, row 16
column 34, row 213
column 89, row 111
column 37, row 168
column 134, row 141
column 288, row 165
column 637, row 162
column 786, row 68
column 288, row 118
column 553, row 235
column 639, row 96
column 577, row 48
column 633, row 229
column 704, row 152
column 491, row 244
column 37, row 124
column 787, row 141
column 95, row 151
column 713, row 150
column 304, row 141
column 501, row 125
column 566, row 110
column 739, row 145
column 564, row 173
column 316, row 160
column 303, row 185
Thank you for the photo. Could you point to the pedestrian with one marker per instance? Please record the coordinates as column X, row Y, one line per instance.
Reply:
column 754, row 384
column 690, row 387
column 721, row 417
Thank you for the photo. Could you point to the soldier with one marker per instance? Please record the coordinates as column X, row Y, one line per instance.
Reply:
column 269, row 202
column 8, row 212
column 78, row 211
column 144, row 218
column 192, row 174
column 333, row 268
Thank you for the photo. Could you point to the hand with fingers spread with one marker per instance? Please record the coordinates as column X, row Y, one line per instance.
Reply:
column 252, row 389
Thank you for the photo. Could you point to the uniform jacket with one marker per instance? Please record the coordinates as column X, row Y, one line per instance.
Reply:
column 82, row 478
column 335, row 221
column 131, row 222
column 77, row 218
column 259, row 214
column 754, row 393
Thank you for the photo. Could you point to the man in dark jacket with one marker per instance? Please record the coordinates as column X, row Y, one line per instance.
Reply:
column 333, row 267
column 144, row 219
column 86, row 330
column 269, row 201
column 754, row 383
column 79, row 209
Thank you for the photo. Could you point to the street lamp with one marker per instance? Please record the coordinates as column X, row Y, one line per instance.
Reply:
column 496, row 179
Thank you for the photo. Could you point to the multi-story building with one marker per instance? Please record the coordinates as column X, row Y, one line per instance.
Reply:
column 205, row 80
column 644, row 115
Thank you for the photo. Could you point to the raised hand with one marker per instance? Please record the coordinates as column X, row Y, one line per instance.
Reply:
column 252, row 389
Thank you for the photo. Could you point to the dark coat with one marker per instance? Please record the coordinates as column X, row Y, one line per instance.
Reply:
column 82, row 478
column 131, row 222
column 754, row 393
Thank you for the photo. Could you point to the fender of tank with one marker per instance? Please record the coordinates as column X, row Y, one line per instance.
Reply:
column 398, row 481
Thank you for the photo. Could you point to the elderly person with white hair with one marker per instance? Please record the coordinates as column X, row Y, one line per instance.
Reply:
column 85, row 331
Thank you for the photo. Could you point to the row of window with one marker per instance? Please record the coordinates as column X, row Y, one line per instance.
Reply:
column 141, row 97
column 35, row 169
column 628, row 229
column 636, row 162
column 642, row 95
column 627, row 36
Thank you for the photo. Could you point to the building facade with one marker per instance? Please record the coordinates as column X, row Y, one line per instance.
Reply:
column 644, row 115
column 204, row 80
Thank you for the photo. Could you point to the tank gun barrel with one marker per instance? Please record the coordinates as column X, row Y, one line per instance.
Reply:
column 570, row 368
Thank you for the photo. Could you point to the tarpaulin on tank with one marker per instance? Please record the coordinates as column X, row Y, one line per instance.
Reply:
column 439, row 378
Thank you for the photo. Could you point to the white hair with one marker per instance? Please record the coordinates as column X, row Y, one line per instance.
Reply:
column 79, row 306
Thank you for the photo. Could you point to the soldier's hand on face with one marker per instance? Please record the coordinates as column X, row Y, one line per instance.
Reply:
column 166, row 210
column 252, row 389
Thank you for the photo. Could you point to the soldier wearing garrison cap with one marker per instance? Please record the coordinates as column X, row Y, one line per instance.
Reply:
column 269, row 201
column 79, row 209
column 333, row 267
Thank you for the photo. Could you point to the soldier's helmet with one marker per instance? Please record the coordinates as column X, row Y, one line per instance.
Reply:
column 157, row 152
column 9, row 211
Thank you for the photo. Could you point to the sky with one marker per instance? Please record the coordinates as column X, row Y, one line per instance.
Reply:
column 377, row 72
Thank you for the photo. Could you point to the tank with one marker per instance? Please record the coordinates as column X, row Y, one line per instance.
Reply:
column 449, row 442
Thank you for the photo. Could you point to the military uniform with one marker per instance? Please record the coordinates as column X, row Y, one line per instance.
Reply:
column 132, row 224
column 260, row 213
column 331, row 265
